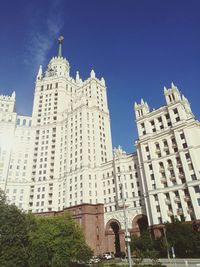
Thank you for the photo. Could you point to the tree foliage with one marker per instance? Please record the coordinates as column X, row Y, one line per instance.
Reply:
column 29, row 241
column 13, row 235
column 143, row 247
column 56, row 242
column 184, row 239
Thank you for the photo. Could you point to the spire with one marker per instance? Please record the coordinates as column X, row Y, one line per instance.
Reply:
column 77, row 77
column 39, row 75
column 13, row 95
column 60, row 40
column 103, row 81
column 92, row 74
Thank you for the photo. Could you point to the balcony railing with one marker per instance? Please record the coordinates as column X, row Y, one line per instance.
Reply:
column 170, row 213
column 190, row 210
column 177, row 199
column 180, row 211
column 187, row 198
column 167, row 201
column 181, row 175
column 163, row 180
column 172, row 178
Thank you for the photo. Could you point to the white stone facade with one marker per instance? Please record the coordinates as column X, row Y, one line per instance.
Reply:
column 62, row 155
column 168, row 152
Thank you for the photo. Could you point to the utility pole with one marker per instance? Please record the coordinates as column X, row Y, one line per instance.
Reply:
column 167, row 246
column 127, row 234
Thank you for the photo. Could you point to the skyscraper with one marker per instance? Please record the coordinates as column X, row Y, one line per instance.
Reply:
column 61, row 158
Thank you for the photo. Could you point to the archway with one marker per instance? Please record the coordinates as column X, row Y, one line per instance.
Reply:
column 113, row 232
column 140, row 224
column 115, row 228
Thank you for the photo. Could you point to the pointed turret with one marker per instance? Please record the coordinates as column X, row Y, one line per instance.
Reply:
column 92, row 74
column 135, row 105
column 172, row 85
column 39, row 75
column 103, row 81
column 186, row 105
column 77, row 77
column 13, row 95
column 141, row 109
column 172, row 95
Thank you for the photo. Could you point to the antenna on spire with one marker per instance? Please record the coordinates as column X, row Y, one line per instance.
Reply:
column 60, row 41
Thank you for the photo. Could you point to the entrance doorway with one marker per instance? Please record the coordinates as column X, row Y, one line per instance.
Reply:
column 115, row 228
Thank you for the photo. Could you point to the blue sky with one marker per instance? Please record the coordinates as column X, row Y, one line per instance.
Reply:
column 138, row 46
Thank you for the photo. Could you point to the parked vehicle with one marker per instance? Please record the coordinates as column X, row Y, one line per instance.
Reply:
column 94, row 259
column 107, row 256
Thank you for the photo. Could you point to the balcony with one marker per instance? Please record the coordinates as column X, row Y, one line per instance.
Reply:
column 177, row 199
column 178, row 164
column 163, row 180
column 187, row 198
column 170, row 213
column 170, row 167
column 165, row 148
column 167, row 201
column 172, row 178
column 161, row 169
column 180, row 211
column 158, row 151
column 174, row 145
column 190, row 210
column 181, row 175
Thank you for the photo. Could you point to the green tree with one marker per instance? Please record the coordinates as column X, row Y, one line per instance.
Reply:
column 56, row 242
column 143, row 247
column 183, row 238
column 13, row 235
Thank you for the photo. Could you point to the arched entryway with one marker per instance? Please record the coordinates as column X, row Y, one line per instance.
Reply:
column 113, row 233
column 140, row 224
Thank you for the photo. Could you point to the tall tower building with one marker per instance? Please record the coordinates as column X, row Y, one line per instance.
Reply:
column 71, row 137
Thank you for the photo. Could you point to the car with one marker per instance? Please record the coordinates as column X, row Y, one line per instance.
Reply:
column 107, row 256
column 94, row 259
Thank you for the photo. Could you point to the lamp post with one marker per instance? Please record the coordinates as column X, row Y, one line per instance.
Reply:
column 127, row 234
column 165, row 236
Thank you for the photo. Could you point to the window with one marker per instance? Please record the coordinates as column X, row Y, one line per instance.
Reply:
column 182, row 136
column 150, row 167
column 152, row 176
column 198, row 200
column 175, row 111
column 193, row 176
column 184, row 145
column 187, row 156
column 197, row 189
column 158, row 208
column 190, row 166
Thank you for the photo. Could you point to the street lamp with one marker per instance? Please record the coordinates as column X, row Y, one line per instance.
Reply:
column 127, row 234
column 167, row 246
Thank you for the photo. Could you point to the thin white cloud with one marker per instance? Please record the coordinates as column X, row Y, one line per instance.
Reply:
column 41, row 41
